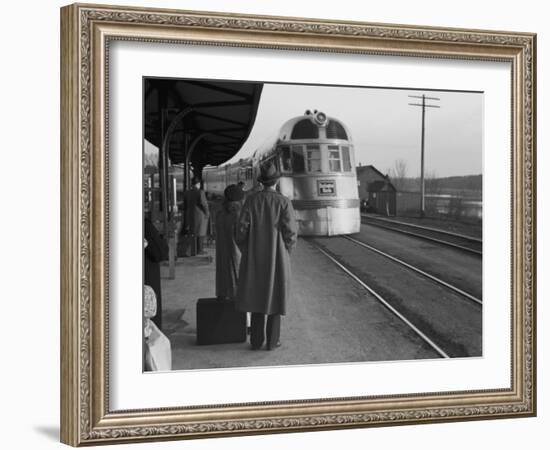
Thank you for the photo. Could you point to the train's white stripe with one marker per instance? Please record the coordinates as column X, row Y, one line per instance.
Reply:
column 323, row 203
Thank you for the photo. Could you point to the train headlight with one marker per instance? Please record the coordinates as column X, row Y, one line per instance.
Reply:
column 321, row 118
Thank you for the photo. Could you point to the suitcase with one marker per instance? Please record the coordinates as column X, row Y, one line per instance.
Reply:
column 218, row 322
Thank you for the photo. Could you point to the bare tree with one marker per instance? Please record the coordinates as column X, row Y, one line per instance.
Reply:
column 398, row 174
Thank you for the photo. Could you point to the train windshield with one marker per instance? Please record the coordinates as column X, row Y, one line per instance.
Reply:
column 334, row 160
column 346, row 158
column 313, row 158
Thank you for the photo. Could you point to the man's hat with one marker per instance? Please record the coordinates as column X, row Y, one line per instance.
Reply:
column 268, row 174
column 233, row 193
column 195, row 180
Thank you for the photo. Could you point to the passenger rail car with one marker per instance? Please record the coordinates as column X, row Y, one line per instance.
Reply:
column 315, row 156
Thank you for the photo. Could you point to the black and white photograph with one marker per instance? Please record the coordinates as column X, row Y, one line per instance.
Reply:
column 297, row 224
column 285, row 224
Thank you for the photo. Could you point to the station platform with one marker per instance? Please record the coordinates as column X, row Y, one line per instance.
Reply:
column 330, row 319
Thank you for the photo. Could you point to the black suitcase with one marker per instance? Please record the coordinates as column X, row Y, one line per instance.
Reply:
column 218, row 322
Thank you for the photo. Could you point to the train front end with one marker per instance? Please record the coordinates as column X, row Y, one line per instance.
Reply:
column 317, row 162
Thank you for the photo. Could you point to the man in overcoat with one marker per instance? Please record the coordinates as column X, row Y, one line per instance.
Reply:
column 266, row 234
column 196, row 213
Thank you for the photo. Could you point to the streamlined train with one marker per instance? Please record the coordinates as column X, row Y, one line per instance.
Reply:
column 315, row 156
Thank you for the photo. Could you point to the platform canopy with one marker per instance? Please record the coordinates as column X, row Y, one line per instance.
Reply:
column 219, row 118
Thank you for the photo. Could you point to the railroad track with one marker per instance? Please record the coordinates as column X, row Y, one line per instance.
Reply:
column 417, row 270
column 455, row 240
column 412, row 319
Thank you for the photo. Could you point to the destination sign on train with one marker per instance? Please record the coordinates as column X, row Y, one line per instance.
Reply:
column 326, row 187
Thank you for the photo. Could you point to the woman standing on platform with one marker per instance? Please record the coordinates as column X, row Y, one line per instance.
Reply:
column 228, row 255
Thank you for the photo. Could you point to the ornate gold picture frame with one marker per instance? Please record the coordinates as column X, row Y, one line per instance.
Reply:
column 87, row 31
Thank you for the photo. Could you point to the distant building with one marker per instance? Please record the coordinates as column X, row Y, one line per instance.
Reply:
column 376, row 192
column 365, row 176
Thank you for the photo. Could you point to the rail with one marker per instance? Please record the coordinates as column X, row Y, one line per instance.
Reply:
column 383, row 301
column 417, row 270
column 394, row 226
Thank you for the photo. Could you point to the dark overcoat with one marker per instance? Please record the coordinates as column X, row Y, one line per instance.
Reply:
column 228, row 254
column 155, row 252
column 267, row 233
column 196, row 211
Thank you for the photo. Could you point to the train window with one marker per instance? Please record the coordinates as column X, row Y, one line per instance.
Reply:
column 346, row 159
column 335, row 130
column 313, row 158
column 286, row 160
column 334, row 162
column 305, row 129
column 298, row 164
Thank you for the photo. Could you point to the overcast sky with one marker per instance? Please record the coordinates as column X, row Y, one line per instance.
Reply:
column 383, row 126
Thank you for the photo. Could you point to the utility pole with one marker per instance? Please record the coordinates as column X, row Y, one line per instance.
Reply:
column 424, row 105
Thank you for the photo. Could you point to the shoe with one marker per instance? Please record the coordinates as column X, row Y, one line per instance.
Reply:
column 255, row 347
column 270, row 347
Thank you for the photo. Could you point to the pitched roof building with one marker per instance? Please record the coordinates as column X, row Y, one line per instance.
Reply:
column 376, row 192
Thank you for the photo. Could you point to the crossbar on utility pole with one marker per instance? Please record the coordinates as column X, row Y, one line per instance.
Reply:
column 423, row 105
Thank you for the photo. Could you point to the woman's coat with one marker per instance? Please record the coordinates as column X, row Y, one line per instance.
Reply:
column 228, row 255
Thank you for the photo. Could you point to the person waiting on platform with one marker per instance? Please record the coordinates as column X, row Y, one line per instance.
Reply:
column 228, row 255
column 155, row 251
column 157, row 354
column 266, row 235
column 196, row 213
